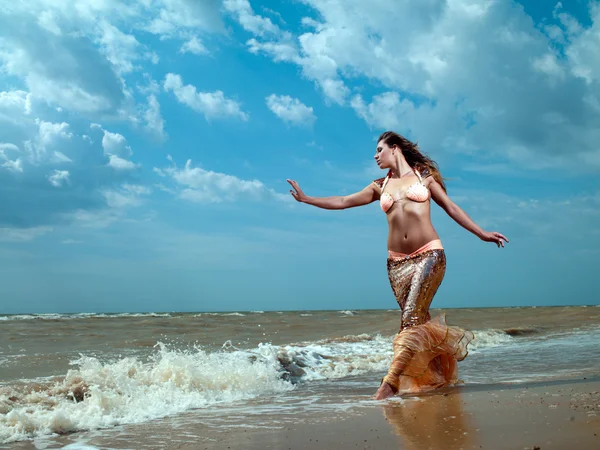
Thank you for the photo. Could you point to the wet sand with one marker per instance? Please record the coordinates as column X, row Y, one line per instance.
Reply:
column 534, row 416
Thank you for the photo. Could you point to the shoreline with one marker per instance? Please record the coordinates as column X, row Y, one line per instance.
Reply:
column 545, row 415
column 294, row 310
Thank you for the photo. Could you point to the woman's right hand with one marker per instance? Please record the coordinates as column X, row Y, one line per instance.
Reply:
column 494, row 236
column 296, row 192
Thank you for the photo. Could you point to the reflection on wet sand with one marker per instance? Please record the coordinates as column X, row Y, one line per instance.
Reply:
column 434, row 421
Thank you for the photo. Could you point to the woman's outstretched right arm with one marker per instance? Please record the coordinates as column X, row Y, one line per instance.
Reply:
column 368, row 195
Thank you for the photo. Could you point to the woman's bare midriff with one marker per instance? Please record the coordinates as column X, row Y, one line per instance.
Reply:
column 410, row 226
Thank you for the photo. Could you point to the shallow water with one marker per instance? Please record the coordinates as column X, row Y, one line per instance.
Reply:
column 134, row 368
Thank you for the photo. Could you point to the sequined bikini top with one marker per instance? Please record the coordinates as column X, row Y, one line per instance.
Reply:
column 417, row 191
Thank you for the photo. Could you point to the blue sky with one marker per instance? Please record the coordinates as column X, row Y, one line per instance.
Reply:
column 144, row 148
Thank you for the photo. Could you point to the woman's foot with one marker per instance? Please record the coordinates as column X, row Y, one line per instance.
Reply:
column 384, row 391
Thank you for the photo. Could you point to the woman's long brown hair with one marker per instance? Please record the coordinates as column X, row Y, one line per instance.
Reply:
column 413, row 155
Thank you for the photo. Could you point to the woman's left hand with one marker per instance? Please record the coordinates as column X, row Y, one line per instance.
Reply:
column 494, row 236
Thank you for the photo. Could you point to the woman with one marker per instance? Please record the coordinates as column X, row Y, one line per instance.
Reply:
column 425, row 350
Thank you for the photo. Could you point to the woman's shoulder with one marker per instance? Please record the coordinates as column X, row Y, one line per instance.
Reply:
column 379, row 182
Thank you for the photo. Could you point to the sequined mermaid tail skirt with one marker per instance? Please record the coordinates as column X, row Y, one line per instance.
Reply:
column 426, row 356
column 426, row 351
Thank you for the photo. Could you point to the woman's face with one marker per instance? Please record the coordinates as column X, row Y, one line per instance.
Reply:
column 383, row 155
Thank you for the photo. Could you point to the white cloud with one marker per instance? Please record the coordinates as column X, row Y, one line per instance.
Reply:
column 193, row 46
column 47, row 20
column 61, row 80
column 36, row 146
column 211, row 104
column 59, row 157
column 105, row 35
column 118, row 203
column 309, row 51
column 181, row 16
column 334, row 90
column 457, row 76
column 94, row 219
column 290, row 110
column 116, row 148
column 120, row 49
column 583, row 51
column 118, row 163
column 6, row 147
column 13, row 105
column 50, row 132
column 113, row 143
column 251, row 22
column 13, row 165
column 150, row 86
column 70, row 241
column 306, row 50
column 204, row 186
column 282, row 50
column 274, row 14
column 22, row 234
column 154, row 120
column 386, row 111
column 319, row 63
column 10, row 156
column 48, row 135
column 136, row 189
column 549, row 65
column 59, row 178
column 128, row 195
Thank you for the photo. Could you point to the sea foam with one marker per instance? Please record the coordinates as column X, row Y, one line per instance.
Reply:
column 101, row 393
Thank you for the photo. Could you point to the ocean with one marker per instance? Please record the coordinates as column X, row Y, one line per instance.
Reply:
column 70, row 379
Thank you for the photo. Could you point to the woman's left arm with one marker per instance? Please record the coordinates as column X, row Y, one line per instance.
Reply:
column 453, row 210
